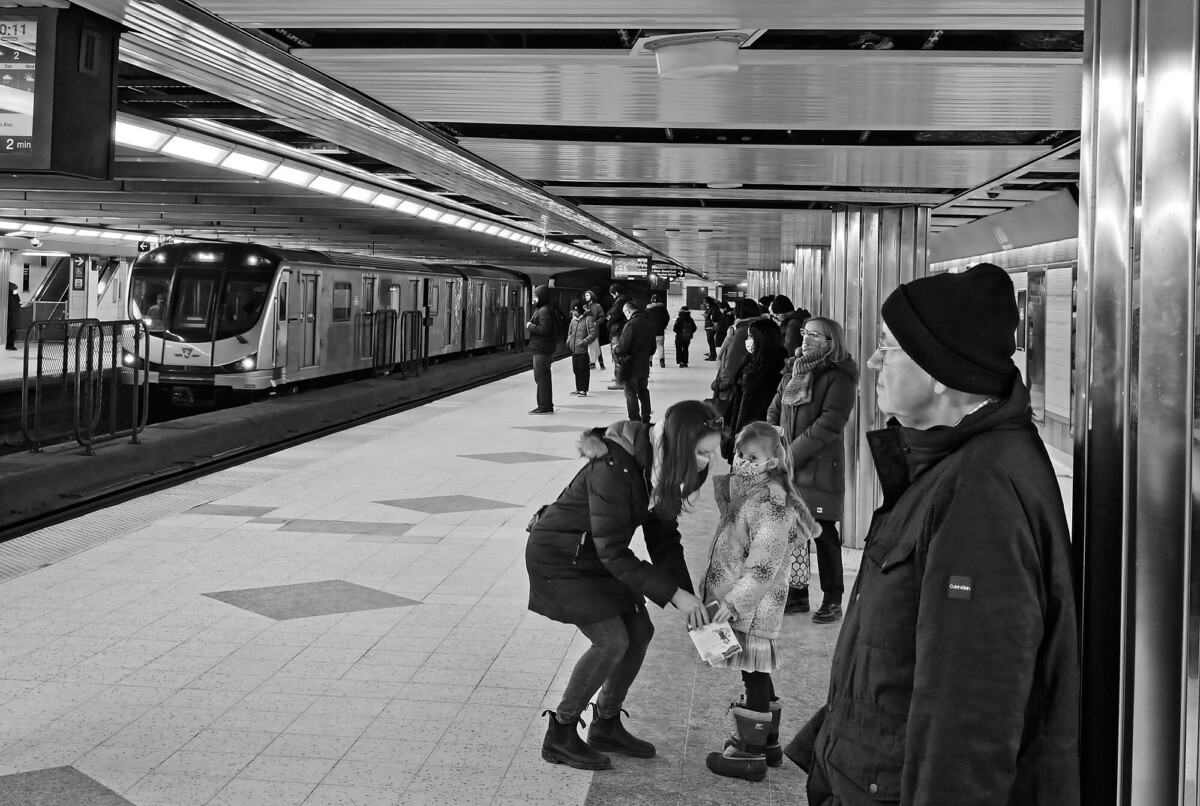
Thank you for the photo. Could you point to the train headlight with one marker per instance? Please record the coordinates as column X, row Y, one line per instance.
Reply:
column 248, row 363
column 130, row 359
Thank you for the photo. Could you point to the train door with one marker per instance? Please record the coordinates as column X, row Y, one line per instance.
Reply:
column 281, row 319
column 367, row 317
column 309, row 288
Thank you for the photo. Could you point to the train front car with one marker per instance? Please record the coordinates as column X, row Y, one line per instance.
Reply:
column 205, row 306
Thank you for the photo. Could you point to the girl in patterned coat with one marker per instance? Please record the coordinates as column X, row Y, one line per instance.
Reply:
column 763, row 518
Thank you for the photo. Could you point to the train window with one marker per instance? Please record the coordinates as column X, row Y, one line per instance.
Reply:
column 148, row 294
column 282, row 313
column 368, row 295
column 243, row 297
column 479, row 311
column 192, row 303
column 434, row 299
column 341, row 302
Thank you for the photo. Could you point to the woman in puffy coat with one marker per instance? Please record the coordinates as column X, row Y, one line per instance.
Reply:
column 757, row 382
column 581, row 335
column 732, row 353
column 583, row 572
column 813, row 405
column 591, row 301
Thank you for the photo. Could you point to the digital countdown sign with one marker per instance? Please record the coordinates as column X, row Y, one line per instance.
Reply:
column 630, row 268
column 18, row 81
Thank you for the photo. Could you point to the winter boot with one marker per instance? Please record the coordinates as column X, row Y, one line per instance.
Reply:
column 607, row 733
column 562, row 745
column 797, row 600
column 773, row 751
column 745, row 759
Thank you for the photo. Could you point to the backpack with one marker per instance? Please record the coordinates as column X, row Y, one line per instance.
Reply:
column 687, row 327
column 561, row 325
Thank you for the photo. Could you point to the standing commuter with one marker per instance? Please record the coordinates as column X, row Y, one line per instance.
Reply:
column 712, row 315
column 615, row 320
column 581, row 335
column 583, row 572
column 656, row 312
column 634, row 352
column 812, row 404
column 791, row 322
column 685, row 329
column 756, row 383
column 955, row 679
column 732, row 353
column 543, row 341
column 591, row 301
column 14, row 311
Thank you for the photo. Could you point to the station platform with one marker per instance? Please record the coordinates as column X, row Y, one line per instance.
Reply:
column 345, row 622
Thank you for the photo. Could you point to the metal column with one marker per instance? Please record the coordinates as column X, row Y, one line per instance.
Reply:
column 1136, row 449
column 874, row 250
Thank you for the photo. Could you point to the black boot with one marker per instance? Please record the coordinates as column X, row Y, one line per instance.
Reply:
column 797, row 600
column 744, row 759
column 773, row 752
column 607, row 733
column 562, row 745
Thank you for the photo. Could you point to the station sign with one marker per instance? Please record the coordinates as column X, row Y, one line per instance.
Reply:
column 630, row 267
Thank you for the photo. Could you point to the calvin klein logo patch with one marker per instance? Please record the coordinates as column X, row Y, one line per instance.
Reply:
column 960, row 588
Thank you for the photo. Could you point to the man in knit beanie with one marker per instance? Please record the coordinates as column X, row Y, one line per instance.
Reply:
column 955, row 676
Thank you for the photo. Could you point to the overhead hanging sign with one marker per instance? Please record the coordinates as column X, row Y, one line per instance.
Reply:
column 18, row 82
column 630, row 268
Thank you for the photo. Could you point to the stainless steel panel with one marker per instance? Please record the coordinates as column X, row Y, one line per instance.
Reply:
column 806, row 89
column 654, row 14
column 848, row 196
column 882, row 166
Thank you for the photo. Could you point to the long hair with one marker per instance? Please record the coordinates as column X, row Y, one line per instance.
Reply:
column 768, row 346
column 837, row 338
column 745, row 307
column 684, row 425
column 770, row 437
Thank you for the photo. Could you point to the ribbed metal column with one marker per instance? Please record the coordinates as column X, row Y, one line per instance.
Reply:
column 1135, row 452
column 874, row 249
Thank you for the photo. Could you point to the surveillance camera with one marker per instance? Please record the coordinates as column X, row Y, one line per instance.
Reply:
column 993, row 194
column 543, row 250
column 35, row 242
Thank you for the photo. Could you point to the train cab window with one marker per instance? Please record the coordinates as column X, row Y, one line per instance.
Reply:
column 434, row 299
column 282, row 312
column 341, row 302
column 148, row 297
column 242, row 301
column 191, row 307
column 368, row 295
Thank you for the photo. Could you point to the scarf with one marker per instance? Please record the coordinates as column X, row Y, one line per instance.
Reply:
column 798, row 389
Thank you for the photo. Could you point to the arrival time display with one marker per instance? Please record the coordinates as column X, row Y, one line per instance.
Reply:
column 18, row 73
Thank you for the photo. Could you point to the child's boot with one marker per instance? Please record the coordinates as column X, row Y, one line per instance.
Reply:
column 773, row 751
column 746, row 758
column 607, row 733
column 562, row 745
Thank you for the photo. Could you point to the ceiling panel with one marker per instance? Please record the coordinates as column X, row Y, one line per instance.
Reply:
column 807, row 89
column 715, row 197
column 887, row 166
column 695, row 14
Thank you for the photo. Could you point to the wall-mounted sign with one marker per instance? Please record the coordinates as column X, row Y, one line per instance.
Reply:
column 630, row 268
column 57, row 91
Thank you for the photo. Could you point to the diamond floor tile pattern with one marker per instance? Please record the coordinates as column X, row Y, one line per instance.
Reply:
column 514, row 457
column 56, row 786
column 307, row 599
column 441, row 504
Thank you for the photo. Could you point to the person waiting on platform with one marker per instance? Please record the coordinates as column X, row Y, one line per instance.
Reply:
column 632, row 355
column 732, row 353
column 582, row 570
column 591, row 301
column 685, row 329
column 657, row 313
column 14, row 311
column 756, row 383
column 614, row 320
column 581, row 335
column 791, row 322
column 762, row 520
column 812, row 404
column 956, row 675
column 543, row 341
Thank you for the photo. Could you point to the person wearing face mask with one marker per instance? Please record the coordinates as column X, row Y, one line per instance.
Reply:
column 582, row 570
column 762, row 520
column 812, row 405
column 732, row 353
column 756, row 383
column 790, row 321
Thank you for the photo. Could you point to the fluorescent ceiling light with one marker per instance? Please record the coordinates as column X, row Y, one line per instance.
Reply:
column 449, row 218
column 90, row 233
column 430, row 214
column 38, row 253
column 112, row 235
column 359, row 193
column 465, row 223
column 63, row 230
column 527, row 239
column 189, row 149
column 327, row 184
column 493, row 229
column 135, row 236
column 128, row 134
column 479, row 226
column 386, row 201
column 246, row 164
column 7, row 225
column 36, row 227
column 293, row 176
column 410, row 207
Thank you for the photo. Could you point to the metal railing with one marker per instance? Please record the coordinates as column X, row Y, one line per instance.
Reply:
column 413, row 356
column 84, row 379
column 384, row 326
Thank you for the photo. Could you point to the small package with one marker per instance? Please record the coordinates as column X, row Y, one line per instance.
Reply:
column 715, row 641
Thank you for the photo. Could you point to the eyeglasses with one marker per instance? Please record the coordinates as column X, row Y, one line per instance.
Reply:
column 814, row 334
column 714, row 423
column 886, row 348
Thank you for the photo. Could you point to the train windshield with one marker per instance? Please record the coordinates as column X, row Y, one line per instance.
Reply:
column 200, row 301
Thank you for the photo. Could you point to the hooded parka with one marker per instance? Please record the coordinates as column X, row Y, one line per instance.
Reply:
column 814, row 432
column 542, row 324
column 955, row 679
column 581, row 568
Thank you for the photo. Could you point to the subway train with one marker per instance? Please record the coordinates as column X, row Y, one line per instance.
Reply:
column 226, row 317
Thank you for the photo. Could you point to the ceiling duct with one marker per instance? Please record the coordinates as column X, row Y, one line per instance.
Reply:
column 696, row 54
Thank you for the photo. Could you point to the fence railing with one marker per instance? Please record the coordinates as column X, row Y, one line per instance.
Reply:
column 413, row 356
column 384, row 326
column 84, row 379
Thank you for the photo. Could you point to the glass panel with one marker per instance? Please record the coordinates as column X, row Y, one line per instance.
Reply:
column 368, row 297
column 341, row 302
column 148, row 293
column 435, row 296
column 243, row 298
column 191, row 306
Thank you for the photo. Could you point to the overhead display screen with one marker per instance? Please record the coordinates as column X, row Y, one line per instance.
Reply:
column 18, row 78
column 630, row 268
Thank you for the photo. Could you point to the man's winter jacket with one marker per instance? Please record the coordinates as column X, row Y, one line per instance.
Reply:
column 543, row 324
column 814, row 430
column 656, row 312
column 792, row 327
column 955, row 679
column 636, row 346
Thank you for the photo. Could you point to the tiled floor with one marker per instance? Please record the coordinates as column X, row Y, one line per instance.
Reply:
column 345, row 623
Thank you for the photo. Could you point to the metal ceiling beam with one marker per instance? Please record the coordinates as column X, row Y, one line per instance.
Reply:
column 848, row 196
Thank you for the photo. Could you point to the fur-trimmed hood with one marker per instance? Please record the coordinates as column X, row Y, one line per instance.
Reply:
column 631, row 435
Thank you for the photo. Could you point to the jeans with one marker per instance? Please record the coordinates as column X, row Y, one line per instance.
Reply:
column 829, row 563
column 637, row 391
column 660, row 349
column 681, row 351
column 541, row 376
column 613, row 661
column 583, row 375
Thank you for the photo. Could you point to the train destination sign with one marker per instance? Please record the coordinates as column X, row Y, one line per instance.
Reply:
column 18, row 74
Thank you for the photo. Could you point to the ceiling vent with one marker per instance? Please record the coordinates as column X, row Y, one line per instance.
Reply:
column 696, row 54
